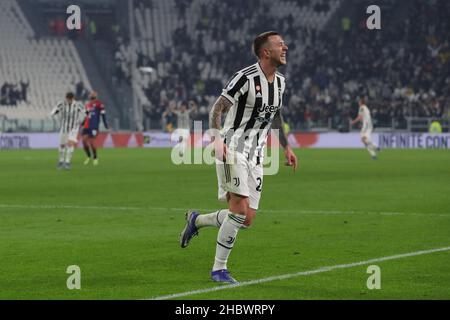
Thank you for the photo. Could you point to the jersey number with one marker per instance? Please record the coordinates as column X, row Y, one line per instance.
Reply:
column 258, row 187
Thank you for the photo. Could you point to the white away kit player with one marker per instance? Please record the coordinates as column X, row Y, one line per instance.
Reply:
column 71, row 114
column 366, row 129
column 184, row 125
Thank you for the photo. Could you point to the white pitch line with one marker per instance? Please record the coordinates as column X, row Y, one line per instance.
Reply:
column 302, row 211
column 339, row 212
column 298, row 274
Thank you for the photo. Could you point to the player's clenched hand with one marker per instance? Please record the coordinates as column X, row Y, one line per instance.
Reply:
column 291, row 158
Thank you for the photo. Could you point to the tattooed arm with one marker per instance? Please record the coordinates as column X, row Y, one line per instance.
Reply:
column 291, row 158
column 222, row 105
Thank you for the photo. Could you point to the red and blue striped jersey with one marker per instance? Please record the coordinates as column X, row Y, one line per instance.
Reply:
column 94, row 109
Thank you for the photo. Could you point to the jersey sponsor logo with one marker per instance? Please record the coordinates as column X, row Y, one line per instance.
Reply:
column 266, row 108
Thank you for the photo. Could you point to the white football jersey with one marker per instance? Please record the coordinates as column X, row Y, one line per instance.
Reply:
column 70, row 115
column 183, row 119
column 255, row 104
column 366, row 118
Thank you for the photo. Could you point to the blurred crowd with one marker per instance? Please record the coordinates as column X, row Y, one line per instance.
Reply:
column 403, row 70
column 13, row 93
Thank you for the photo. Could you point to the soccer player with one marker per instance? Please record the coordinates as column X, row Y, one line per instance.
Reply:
column 366, row 129
column 95, row 109
column 252, row 100
column 184, row 123
column 71, row 115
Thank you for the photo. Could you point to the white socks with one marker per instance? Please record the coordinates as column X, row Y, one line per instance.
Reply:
column 229, row 224
column 372, row 149
column 65, row 153
column 214, row 219
column 62, row 151
column 69, row 153
column 226, row 238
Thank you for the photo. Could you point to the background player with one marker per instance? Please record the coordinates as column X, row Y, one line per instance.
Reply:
column 367, row 128
column 71, row 115
column 95, row 109
column 184, row 123
column 253, row 101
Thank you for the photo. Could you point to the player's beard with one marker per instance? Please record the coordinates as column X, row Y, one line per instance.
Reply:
column 279, row 62
column 282, row 63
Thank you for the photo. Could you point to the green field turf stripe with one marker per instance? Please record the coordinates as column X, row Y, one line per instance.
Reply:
column 63, row 206
column 206, row 210
column 298, row 274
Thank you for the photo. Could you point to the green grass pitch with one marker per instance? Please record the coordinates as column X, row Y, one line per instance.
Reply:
column 120, row 221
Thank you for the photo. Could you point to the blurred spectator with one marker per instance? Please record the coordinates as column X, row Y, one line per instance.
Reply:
column 81, row 92
column 92, row 29
column 57, row 26
column 24, row 90
column 13, row 93
column 169, row 120
column 346, row 23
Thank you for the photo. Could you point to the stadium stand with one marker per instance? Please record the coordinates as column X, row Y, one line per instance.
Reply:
column 191, row 48
column 34, row 73
column 184, row 41
column 403, row 70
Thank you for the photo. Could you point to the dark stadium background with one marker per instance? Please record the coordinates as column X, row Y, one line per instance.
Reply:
column 195, row 46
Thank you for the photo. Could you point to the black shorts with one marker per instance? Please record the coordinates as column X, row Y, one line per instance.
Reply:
column 91, row 133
